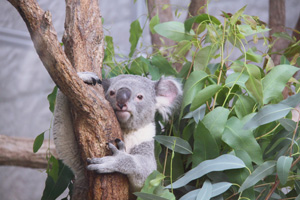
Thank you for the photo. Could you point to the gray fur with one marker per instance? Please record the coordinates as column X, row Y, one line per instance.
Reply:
column 135, row 100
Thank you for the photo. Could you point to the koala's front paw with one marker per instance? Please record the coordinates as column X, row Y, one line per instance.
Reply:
column 109, row 164
column 89, row 78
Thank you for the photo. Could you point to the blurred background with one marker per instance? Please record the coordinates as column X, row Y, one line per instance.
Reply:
column 25, row 84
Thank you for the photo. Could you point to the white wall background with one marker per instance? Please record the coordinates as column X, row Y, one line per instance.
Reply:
column 25, row 84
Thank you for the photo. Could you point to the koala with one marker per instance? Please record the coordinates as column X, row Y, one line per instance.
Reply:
column 135, row 100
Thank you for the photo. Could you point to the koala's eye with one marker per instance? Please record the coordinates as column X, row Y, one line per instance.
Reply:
column 140, row 97
column 112, row 93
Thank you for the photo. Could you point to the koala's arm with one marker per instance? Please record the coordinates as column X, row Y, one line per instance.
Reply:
column 137, row 165
column 63, row 134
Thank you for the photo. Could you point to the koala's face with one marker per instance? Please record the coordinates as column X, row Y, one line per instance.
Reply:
column 133, row 99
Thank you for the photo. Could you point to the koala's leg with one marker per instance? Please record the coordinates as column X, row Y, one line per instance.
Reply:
column 64, row 139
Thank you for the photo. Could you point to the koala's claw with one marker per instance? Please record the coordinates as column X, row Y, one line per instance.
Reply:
column 89, row 78
column 120, row 144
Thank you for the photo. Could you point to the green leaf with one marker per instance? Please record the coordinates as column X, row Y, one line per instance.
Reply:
column 52, row 99
column 203, row 18
column 146, row 196
column 237, row 78
column 193, row 85
column 54, row 170
column 250, row 55
column 163, row 65
column 153, row 22
column 246, row 30
column 265, row 169
column 205, row 146
column 204, row 95
column 181, row 146
column 268, row 114
column 173, row 30
column 254, row 85
column 239, row 139
column 205, row 192
column 139, row 66
column 182, row 48
column 55, row 189
column 135, row 34
column 109, row 50
column 236, row 15
column 243, row 106
column 203, row 57
column 223, row 162
column 215, row 122
column 153, row 189
column 38, row 142
column 292, row 101
column 217, row 189
column 284, row 164
column 275, row 81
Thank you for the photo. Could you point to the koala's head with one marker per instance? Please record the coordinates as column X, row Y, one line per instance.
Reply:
column 135, row 99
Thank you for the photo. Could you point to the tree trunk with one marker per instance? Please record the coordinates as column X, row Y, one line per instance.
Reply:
column 297, row 28
column 94, row 120
column 197, row 7
column 277, row 24
column 165, row 15
column 16, row 151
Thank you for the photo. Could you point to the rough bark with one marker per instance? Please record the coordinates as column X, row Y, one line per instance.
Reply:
column 94, row 119
column 16, row 151
column 197, row 7
column 297, row 28
column 277, row 24
column 156, row 7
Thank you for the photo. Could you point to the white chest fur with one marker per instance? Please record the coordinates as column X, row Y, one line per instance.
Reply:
column 137, row 137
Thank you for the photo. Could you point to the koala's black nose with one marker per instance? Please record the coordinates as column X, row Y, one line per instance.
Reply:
column 123, row 95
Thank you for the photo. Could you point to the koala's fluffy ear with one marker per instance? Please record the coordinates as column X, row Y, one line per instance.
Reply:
column 105, row 84
column 168, row 96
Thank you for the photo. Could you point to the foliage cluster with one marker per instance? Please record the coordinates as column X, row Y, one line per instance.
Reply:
column 234, row 137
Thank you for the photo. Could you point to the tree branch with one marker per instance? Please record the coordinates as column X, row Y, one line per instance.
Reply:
column 16, row 151
column 94, row 120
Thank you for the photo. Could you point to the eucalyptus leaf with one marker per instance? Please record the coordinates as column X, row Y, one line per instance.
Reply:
column 268, row 114
column 193, row 85
column 153, row 22
column 135, row 34
column 239, row 139
column 243, row 106
column 284, row 164
column 237, row 78
column 146, row 196
column 250, row 55
column 205, row 192
column 203, row 57
column 173, row 30
column 205, row 146
column 246, row 30
column 223, row 162
column 55, row 189
column 254, row 85
column 204, row 95
column 265, row 169
column 163, row 65
column 203, row 18
column 181, row 146
column 237, row 15
column 217, row 189
column 52, row 99
column 275, row 81
column 38, row 142
column 215, row 122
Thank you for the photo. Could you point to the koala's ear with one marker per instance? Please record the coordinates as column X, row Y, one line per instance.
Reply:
column 168, row 95
column 105, row 84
